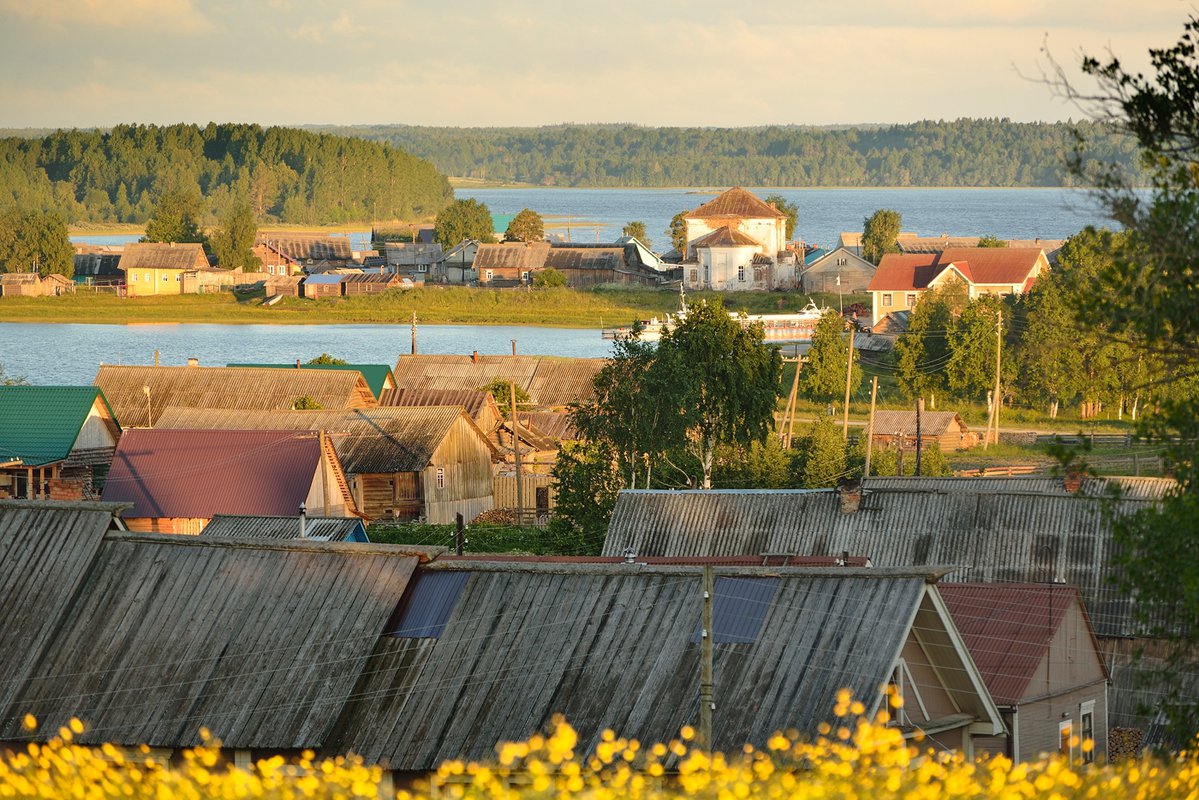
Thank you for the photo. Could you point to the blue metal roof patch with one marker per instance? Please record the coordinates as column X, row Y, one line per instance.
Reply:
column 738, row 608
column 426, row 605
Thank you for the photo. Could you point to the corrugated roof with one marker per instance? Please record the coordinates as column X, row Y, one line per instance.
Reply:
column 39, row 424
column 320, row 529
column 549, row 380
column 308, row 248
column 511, row 255
column 898, row 273
column 611, row 647
column 377, row 375
column 558, row 425
column 199, row 474
column 996, row 265
column 408, row 254
column 367, row 441
column 993, row 529
column 574, row 257
column 473, row 400
column 260, row 643
column 1008, row 628
column 225, row 387
column 735, row 202
column 725, row 237
column 160, row 255
column 932, row 423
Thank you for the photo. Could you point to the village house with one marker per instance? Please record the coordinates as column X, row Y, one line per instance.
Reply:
column 98, row 265
column 158, row 267
column 1039, row 657
column 509, row 263
column 910, row 243
column 178, row 480
column 458, row 263
column 294, row 254
column 412, row 259
column 1023, row 529
column 551, row 382
column 840, row 270
column 378, row 376
column 617, row 649
column 402, row 464
column 479, row 405
column 900, row 279
column 31, row 284
column 54, row 441
column 300, row 526
column 325, row 284
column 942, row 428
column 140, row 395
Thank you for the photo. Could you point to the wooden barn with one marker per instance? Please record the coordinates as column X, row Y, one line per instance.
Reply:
column 55, row 441
column 509, row 263
column 326, row 284
column 365, row 283
column 943, row 428
column 177, row 480
column 403, row 463
column 139, row 395
column 31, row 284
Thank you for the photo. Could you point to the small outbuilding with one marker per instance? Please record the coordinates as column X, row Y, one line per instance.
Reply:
column 942, row 428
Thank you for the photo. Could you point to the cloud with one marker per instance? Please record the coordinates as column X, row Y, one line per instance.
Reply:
column 180, row 16
column 340, row 27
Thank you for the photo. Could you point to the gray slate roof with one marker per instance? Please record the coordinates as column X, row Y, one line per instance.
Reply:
column 549, row 380
column 993, row 529
column 526, row 641
column 320, row 529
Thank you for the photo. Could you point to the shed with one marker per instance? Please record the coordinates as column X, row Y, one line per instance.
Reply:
column 509, row 263
column 943, row 428
column 178, row 480
column 54, row 440
column 412, row 258
column 240, row 388
column 403, row 463
column 550, row 381
column 840, row 270
column 319, row 529
column 326, row 284
column 31, row 284
column 369, row 284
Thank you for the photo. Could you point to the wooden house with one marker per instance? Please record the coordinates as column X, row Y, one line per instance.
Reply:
column 366, row 283
column 1036, row 650
column 300, row 526
column 840, row 270
column 457, row 264
column 98, row 265
column 378, row 376
column 624, row 262
column 158, row 267
column 509, row 263
column 412, row 259
column 178, row 480
column 403, row 463
column 479, row 405
column 31, row 284
column 1023, row 530
column 140, row 395
column 325, row 284
column 293, row 253
column 337, row 667
column 54, row 440
column 943, row 428
column 551, row 382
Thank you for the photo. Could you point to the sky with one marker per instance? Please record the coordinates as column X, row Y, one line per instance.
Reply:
column 87, row 63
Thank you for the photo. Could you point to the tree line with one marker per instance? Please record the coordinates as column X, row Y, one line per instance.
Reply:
column 283, row 174
column 963, row 152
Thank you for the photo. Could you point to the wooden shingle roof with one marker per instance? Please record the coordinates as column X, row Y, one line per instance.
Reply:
column 932, row 423
column 163, row 255
column 225, row 387
column 735, row 203
column 512, row 255
column 549, row 380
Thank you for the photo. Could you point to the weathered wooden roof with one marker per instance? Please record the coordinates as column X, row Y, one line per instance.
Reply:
column 548, row 380
column 589, row 258
column 195, row 474
column 39, row 424
column 992, row 529
column 735, row 202
column 726, row 236
column 162, row 255
column 225, row 387
column 377, row 375
column 320, row 529
column 615, row 646
column 308, row 248
column 412, row 254
column 149, row 638
column 511, row 255
column 367, row 441
column 556, row 424
column 932, row 423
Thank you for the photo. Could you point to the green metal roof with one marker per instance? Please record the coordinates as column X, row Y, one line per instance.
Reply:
column 376, row 375
column 39, row 424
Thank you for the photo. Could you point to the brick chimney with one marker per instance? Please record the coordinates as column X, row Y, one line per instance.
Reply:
column 1072, row 480
column 850, row 493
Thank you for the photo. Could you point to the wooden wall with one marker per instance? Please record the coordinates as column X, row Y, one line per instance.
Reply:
column 466, row 459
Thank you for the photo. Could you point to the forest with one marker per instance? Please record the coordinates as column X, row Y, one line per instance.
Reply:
column 287, row 175
column 964, row 152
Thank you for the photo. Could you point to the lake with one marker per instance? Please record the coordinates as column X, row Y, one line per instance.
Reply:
column 47, row 353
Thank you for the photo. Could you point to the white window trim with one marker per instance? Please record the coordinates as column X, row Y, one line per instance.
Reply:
column 487, row 275
column 1085, row 708
column 1066, row 726
column 887, row 299
column 440, row 477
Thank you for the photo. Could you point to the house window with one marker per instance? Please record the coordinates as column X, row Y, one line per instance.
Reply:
column 487, row 275
column 422, row 268
column 741, row 274
column 694, row 277
column 887, row 300
column 133, row 277
column 441, row 477
column 1087, row 731
column 1065, row 732
column 166, row 278
column 911, row 300
column 524, row 276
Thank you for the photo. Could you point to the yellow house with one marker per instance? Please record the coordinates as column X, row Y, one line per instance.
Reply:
column 158, row 267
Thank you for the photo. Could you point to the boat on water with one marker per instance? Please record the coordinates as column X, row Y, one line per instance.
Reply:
column 794, row 327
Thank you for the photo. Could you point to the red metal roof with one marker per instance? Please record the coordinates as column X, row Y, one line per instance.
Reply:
column 193, row 474
column 1007, row 628
column 899, row 273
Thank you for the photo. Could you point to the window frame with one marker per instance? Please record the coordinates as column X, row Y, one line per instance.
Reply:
column 1086, row 730
column 887, row 299
column 439, row 478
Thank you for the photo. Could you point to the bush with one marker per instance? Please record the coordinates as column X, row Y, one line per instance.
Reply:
column 549, row 277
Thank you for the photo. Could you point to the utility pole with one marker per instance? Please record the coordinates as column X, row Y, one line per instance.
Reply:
column 706, row 703
column 459, row 541
column 520, row 490
column 789, row 414
column 919, row 438
column 870, row 425
column 413, row 333
column 995, row 395
column 848, row 375
column 903, row 435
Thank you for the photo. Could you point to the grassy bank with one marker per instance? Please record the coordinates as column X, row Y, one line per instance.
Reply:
column 440, row 304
